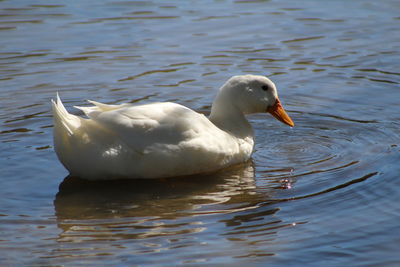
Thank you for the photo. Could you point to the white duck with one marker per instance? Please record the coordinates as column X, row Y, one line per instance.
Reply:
column 164, row 139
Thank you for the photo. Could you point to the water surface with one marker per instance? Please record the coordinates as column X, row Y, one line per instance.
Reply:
column 324, row 192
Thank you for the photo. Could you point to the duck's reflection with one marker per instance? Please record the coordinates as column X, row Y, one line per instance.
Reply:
column 79, row 199
column 168, row 211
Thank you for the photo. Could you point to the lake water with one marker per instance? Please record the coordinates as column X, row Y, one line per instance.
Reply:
column 325, row 193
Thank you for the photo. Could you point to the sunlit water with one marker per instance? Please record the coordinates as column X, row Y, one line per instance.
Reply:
column 325, row 192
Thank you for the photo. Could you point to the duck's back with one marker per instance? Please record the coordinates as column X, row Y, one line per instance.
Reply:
column 146, row 141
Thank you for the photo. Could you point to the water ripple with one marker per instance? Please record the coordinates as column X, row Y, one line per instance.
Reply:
column 323, row 192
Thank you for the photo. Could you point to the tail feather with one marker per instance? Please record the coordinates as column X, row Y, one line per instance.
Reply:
column 87, row 110
column 96, row 108
column 103, row 107
column 62, row 118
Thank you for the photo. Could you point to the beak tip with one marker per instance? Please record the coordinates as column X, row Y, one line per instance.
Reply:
column 280, row 114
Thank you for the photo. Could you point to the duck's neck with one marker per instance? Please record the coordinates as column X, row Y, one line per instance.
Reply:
column 230, row 119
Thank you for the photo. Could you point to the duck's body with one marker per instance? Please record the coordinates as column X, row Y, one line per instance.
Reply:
column 155, row 140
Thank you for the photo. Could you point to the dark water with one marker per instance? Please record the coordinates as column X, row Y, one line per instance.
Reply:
column 323, row 193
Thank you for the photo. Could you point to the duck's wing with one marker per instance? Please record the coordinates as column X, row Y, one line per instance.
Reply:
column 144, row 127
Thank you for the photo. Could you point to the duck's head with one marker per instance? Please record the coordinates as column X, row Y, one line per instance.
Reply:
column 253, row 94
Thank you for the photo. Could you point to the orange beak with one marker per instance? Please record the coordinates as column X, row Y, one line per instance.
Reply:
column 280, row 114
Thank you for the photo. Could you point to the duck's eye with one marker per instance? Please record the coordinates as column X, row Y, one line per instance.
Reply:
column 265, row 87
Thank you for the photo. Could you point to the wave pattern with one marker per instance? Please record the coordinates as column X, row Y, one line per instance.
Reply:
column 324, row 191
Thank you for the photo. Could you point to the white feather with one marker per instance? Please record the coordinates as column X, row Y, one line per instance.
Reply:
column 160, row 139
